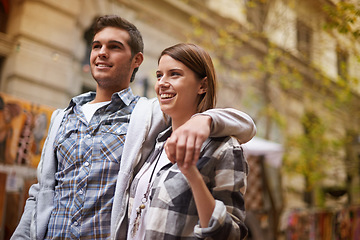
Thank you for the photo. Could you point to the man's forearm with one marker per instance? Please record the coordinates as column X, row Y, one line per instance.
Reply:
column 231, row 122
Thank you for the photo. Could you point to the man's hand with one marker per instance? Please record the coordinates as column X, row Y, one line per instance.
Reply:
column 185, row 142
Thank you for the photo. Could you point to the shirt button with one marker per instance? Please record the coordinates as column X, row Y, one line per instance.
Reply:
column 86, row 164
column 81, row 192
column 76, row 223
column 88, row 136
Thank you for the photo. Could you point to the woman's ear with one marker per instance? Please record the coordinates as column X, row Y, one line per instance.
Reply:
column 203, row 86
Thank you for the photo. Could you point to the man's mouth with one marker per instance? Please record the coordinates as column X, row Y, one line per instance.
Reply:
column 101, row 65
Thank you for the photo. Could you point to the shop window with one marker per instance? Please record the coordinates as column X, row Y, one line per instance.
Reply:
column 304, row 39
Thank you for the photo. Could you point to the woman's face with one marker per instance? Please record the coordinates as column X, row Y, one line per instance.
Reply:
column 178, row 89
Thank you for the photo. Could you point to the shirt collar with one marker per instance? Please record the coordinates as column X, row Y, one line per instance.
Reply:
column 164, row 134
column 126, row 96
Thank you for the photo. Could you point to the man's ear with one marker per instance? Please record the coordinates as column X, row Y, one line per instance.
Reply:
column 138, row 59
column 203, row 86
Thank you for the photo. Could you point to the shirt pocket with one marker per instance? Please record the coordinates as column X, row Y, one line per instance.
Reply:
column 175, row 190
column 112, row 140
column 65, row 144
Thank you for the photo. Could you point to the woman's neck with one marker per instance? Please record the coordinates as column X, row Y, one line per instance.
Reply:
column 177, row 122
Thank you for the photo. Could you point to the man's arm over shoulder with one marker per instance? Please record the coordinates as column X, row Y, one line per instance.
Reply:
column 231, row 122
column 185, row 142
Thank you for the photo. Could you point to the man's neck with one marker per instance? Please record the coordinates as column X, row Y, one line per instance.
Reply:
column 103, row 95
column 101, row 99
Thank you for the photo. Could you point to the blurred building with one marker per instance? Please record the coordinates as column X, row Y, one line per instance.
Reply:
column 292, row 65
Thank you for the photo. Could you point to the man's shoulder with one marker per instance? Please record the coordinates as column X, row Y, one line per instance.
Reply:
column 147, row 101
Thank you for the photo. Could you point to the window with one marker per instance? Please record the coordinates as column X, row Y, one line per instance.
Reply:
column 342, row 63
column 312, row 125
column 304, row 39
column 2, row 60
column 256, row 13
column 4, row 12
column 88, row 38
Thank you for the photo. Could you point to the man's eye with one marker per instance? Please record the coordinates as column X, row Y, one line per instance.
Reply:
column 96, row 46
column 158, row 76
column 114, row 47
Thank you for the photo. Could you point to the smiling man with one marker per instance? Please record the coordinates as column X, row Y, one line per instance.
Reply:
column 113, row 62
column 82, row 178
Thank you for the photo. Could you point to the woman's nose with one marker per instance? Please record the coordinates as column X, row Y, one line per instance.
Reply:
column 163, row 82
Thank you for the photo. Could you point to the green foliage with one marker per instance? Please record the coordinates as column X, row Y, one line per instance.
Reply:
column 345, row 18
column 316, row 152
column 310, row 152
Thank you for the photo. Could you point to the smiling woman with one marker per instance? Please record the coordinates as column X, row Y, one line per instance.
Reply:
column 179, row 90
column 180, row 200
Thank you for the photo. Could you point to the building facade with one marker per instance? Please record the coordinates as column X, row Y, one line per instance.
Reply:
column 281, row 61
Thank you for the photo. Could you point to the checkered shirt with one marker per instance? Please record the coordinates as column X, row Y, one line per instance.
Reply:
column 172, row 213
column 88, row 156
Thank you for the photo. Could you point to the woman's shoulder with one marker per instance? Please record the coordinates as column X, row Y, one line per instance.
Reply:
column 226, row 153
column 225, row 142
column 222, row 146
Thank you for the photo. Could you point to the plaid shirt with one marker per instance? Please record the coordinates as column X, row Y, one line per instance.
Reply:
column 172, row 213
column 88, row 157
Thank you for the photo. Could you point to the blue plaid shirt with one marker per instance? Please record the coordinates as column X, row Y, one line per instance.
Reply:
column 88, row 156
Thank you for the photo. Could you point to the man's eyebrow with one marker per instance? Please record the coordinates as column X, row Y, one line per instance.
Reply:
column 117, row 42
column 111, row 41
column 95, row 42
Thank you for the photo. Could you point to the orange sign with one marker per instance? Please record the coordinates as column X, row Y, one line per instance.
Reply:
column 23, row 130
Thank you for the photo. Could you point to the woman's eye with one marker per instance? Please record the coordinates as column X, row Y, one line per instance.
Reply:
column 96, row 46
column 175, row 74
column 158, row 76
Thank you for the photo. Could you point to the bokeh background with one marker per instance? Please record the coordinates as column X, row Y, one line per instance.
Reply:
column 293, row 66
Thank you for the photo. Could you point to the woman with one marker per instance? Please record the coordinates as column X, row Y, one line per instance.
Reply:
column 169, row 201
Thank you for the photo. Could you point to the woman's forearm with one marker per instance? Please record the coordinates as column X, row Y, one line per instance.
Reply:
column 205, row 202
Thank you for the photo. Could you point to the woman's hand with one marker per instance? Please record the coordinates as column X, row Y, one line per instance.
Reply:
column 190, row 172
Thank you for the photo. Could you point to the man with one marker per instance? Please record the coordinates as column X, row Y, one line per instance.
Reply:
column 81, row 172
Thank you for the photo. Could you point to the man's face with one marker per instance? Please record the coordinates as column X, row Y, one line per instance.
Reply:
column 111, row 62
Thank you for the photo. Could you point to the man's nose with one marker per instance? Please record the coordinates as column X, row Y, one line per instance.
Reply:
column 103, row 52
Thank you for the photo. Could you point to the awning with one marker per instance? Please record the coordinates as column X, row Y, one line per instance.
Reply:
column 272, row 152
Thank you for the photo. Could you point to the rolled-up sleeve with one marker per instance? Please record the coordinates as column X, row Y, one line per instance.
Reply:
column 230, row 181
